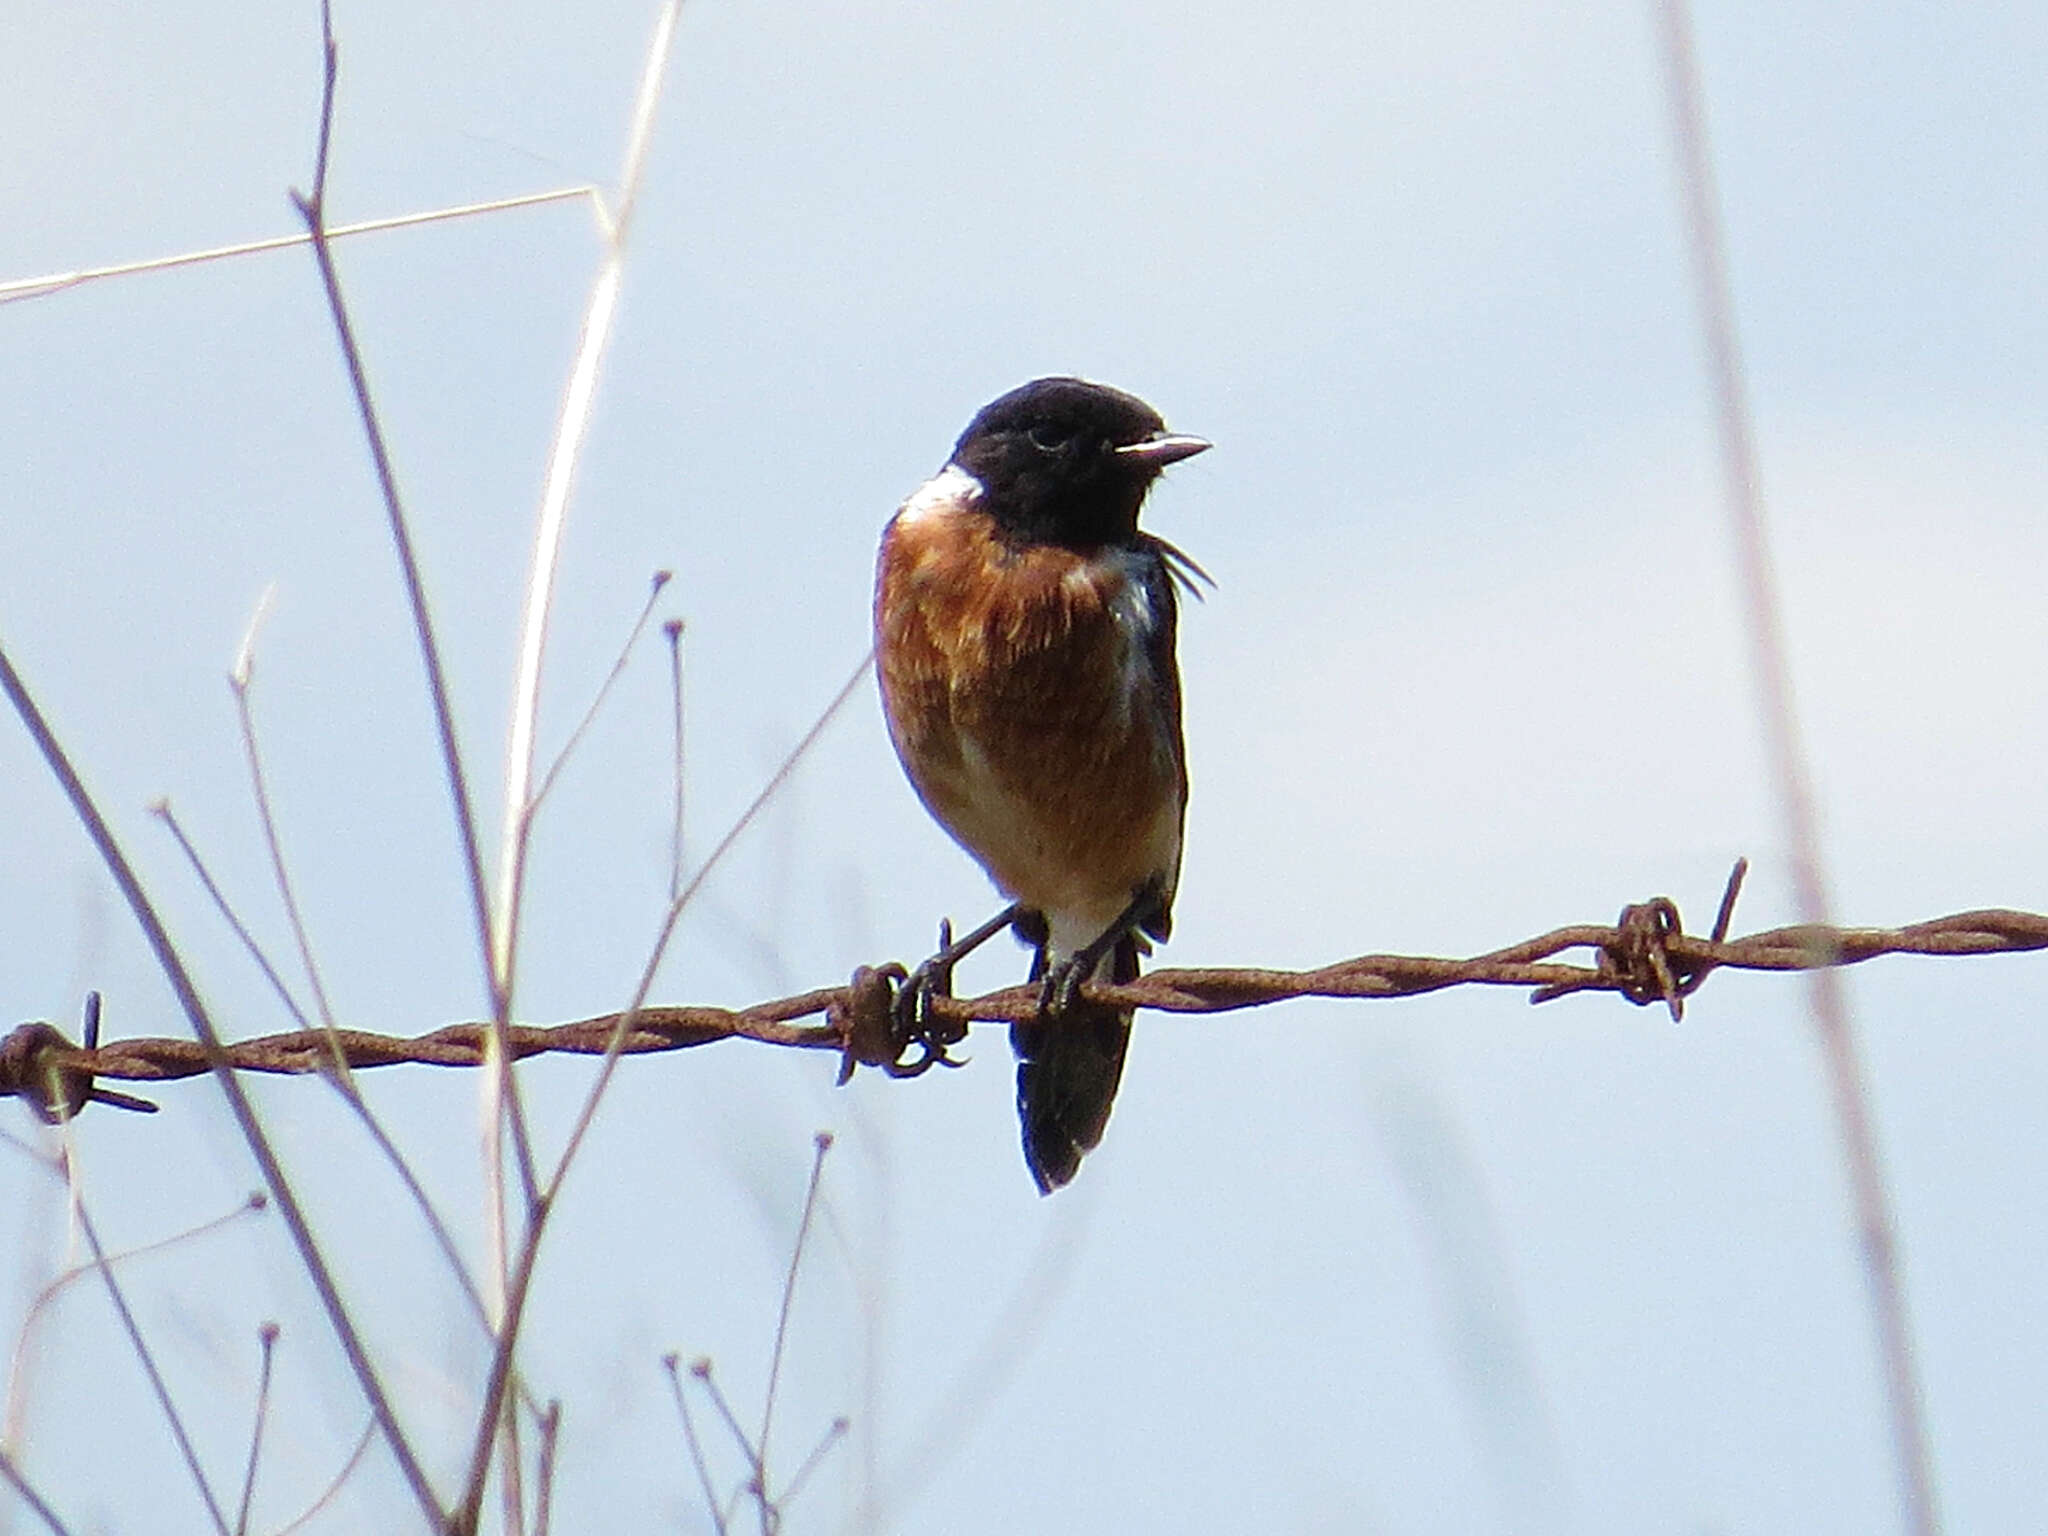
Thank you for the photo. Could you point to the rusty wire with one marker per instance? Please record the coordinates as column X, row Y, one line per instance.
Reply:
column 1646, row 956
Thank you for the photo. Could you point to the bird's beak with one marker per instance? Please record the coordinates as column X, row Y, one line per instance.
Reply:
column 1162, row 449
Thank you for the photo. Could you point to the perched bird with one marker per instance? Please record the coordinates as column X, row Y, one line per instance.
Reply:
column 1024, row 642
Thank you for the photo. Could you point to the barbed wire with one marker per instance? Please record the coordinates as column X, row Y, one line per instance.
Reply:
column 1645, row 955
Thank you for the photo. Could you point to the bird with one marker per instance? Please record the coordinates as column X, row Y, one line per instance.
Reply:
column 1025, row 652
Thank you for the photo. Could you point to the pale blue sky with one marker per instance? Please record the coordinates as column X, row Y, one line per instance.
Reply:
column 1473, row 669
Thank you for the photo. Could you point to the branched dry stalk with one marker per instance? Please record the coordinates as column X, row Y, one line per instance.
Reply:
column 502, row 1106
column 670, row 1363
column 60, row 1283
column 186, row 991
column 344, row 1084
column 1814, row 947
column 130, row 1326
column 318, row 235
column 769, row 1505
column 507, row 1112
column 498, row 925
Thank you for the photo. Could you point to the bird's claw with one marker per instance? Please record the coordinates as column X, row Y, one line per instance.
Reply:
column 1061, row 987
column 917, row 1023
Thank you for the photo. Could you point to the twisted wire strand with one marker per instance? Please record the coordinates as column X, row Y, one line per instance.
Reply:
column 1646, row 956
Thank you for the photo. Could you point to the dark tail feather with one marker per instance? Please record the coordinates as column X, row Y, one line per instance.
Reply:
column 1068, row 1069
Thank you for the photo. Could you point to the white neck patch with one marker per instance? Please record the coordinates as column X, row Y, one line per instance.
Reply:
column 949, row 488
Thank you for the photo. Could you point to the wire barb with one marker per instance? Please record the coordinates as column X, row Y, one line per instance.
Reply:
column 1646, row 957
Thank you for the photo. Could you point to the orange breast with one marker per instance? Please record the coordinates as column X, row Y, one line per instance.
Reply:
column 1023, row 704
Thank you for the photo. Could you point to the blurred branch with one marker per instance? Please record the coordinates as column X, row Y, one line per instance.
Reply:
column 1646, row 956
column 1763, row 613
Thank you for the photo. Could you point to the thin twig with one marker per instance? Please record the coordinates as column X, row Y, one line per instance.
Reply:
column 673, row 631
column 29, row 1496
column 350, row 1092
column 503, row 927
column 696, row 1446
column 1744, row 493
column 604, row 690
column 511, row 1472
column 312, row 209
column 464, row 1521
column 333, row 1489
column 834, row 1433
column 240, row 682
column 187, row 993
column 15, row 290
column 544, row 1474
column 48, row 1295
column 572, row 427
column 506, row 1109
column 330, row 71
column 702, row 1370
column 267, row 1337
column 627, row 1019
column 823, row 1144
column 158, row 1385
column 162, row 810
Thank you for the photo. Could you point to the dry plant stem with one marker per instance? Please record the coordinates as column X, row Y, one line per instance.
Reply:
column 673, row 630
column 17, row 289
column 703, row 1372
column 239, row 683
column 267, row 1336
column 37, row 1212
column 502, row 1105
column 350, row 1092
column 572, row 428
column 313, row 210
column 823, row 1144
column 604, row 691
column 506, row 1111
column 463, row 1522
column 334, row 1487
column 157, row 1383
column 244, row 1113
column 1829, row 1008
column 161, row 809
column 511, row 1473
column 12, row 1475
column 544, row 1476
column 616, row 1044
column 516, row 1287
column 49, row 1293
column 696, row 1446
column 834, row 1433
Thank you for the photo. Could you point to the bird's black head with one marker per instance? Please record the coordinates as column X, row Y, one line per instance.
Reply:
column 1063, row 461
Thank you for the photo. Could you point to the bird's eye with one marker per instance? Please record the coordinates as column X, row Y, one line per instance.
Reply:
column 1049, row 439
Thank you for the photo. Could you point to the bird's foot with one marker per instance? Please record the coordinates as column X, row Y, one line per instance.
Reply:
column 1061, row 985
column 918, row 1024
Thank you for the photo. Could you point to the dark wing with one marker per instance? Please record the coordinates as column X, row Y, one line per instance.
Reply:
column 1165, row 568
